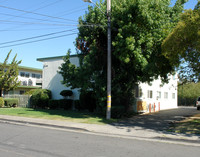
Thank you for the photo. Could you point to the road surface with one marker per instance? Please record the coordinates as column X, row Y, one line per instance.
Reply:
column 29, row 141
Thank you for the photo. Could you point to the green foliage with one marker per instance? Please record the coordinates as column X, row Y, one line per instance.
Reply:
column 138, row 29
column 188, row 93
column 182, row 46
column 1, row 102
column 40, row 98
column 65, row 93
column 11, row 102
column 87, row 101
column 30, row 92
column 9, row 74
column 65, row 104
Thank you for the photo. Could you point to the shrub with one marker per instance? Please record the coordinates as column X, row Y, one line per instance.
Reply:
column 77, row 105
column 54, row 104
column 66, row 104
column 40, row 98
column 11, row 102
column 66, row 93
column 87, row 101
column 1, row 102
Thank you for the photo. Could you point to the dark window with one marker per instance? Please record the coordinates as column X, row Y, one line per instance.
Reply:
column 22, row 74
column 27, row 75
column 33, row 76
column 21, row 92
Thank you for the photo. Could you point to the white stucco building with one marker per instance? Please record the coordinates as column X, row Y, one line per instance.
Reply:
column 52, row 79
column 150, row 98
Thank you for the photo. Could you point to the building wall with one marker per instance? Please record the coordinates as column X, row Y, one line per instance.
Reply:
column 164, row 96
column 31, row 79
column 52, row 80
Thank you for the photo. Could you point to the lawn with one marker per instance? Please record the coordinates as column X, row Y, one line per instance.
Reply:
column 188, row 126
column 73, row 116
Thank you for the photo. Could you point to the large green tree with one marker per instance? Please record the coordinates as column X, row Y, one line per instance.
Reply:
column 138, row 29
column 182, row 46
column 9, row 74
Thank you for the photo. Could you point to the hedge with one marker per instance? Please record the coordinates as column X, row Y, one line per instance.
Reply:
column 11, row 102
column 1, row 102
column 60, row 104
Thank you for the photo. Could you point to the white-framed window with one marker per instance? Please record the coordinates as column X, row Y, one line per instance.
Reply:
column 140, row 92
column 173, row 95
column 158, row 94
column 150, row 94
column 166, row 95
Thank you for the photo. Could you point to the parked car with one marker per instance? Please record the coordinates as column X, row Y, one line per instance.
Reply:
column 198, row 103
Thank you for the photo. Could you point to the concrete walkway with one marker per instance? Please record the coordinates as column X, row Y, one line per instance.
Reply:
column 149, row 127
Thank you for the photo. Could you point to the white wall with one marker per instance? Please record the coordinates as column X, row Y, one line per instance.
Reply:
column 157, row 86
column 51, row 78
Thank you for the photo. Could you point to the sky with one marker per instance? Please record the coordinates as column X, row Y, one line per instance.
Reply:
column 42, row 28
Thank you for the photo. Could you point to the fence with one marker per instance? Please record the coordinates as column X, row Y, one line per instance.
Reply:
column 24, row 100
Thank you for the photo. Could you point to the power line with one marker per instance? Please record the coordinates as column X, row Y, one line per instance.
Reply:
column 29, row 18
column 44, row 35
column 39, row 40
column 36, row 13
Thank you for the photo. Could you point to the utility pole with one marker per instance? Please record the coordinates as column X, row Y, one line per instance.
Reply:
column 108, row 115
column 108, row 112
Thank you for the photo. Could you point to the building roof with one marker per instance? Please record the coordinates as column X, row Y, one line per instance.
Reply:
column 28, row 68
column 55, row 57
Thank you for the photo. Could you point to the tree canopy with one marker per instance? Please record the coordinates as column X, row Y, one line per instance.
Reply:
column 138, row 29
column 182, row 46
column 9, row 74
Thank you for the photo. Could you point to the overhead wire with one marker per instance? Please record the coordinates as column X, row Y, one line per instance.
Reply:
column 39, row 40
column 44, row 35
column 35, row 13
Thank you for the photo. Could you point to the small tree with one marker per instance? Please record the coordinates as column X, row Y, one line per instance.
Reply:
column 66, row 93
column 9, row 74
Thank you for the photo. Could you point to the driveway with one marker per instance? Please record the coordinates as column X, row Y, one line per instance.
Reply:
column 158, row 121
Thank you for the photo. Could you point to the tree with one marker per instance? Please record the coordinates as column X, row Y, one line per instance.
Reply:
column 182, row 46
column 9, row 74
column 138, row 29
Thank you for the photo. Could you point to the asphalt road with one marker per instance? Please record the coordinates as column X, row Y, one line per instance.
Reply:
column 28, row 141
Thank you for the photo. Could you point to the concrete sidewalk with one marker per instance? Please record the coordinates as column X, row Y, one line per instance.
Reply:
column 132, row 132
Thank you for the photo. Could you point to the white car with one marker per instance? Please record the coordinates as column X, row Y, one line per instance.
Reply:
column 198, row 103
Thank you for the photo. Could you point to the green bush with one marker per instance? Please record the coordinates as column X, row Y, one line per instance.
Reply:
column 1, row 102
column 54, row 104
column 65, row 104
column 11, row 102
column 66, row 93
column 40, row 98
column 87, row 101
column 77, row 105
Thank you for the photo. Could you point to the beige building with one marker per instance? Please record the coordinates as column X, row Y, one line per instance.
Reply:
column 30, row 78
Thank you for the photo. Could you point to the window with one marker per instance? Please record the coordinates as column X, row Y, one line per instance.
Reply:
column 22, row 74
column 158, row 94
column 33, row 76
column 166, row 95
column 38, row 76
column 149, row 94
column 140, row 92
column 21, row 92
column 27, row 75
column 173, row 95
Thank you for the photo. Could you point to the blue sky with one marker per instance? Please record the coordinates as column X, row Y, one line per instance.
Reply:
column 23, row 19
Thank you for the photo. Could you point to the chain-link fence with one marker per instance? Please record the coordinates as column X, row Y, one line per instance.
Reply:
column 24, row 100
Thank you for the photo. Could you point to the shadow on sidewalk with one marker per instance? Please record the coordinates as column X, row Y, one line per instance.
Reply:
column 158, row 122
